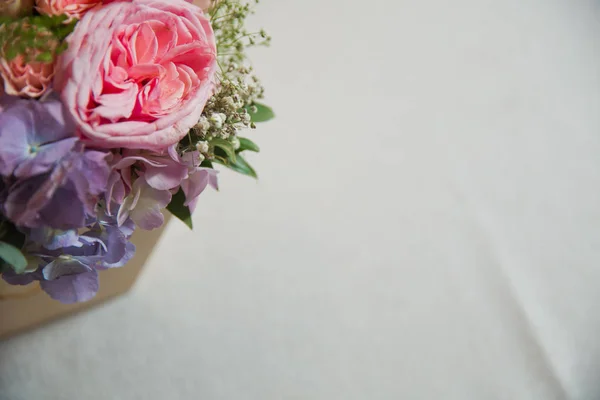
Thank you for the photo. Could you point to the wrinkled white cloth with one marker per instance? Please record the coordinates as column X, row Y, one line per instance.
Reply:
column 426, row 224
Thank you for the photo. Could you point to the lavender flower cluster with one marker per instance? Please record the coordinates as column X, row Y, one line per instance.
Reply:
column 76, row 206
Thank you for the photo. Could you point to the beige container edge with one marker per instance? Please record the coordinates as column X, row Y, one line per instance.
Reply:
column 25, row 307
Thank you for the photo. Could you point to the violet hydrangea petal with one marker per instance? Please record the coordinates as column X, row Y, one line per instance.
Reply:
column 64, row 210
column 128, row 227
column 147, row 213
column 129, row 253
column 167, row 177
column 14, row 146
column 89, row 174
column 95, row 170
column 12, row 278
column 53, row 239
column 130, row 160
column 72, row 288
column 195, row 185
column 41, row 160
column 148, row 218
column 52, row 122
column 143, row 205
column 63, row 265
column 115, row 244
column 7, row 101
column 24, row 200
column 115, row 193
column 190, row 158
column 42, row 200
column 31, row 134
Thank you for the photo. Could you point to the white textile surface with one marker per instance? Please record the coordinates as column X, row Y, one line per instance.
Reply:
column 426, row 224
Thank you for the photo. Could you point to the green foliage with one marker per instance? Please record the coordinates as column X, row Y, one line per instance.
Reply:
column 239, row 165
column 247, row 144
column 37, row 37
column 178, row 209
column 260, row 112
column 225, row 154
column 9, row 234
column 225, row 146
column 13, row 257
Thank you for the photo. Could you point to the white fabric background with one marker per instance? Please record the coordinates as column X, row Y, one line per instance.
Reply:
column 426, row 224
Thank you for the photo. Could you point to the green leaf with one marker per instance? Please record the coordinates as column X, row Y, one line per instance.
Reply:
column 44, row 57
column 11, row 53
column 240, row 165
column 179, row 210
column 247, row 144
column 206, row 164
column 224, row 145
column 13, row 256
column 263, row 113
column 61, row 47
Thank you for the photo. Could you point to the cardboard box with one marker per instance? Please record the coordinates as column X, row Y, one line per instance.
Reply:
column 24, row 307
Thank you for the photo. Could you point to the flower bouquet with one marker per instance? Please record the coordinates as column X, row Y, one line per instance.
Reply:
column 112, row 112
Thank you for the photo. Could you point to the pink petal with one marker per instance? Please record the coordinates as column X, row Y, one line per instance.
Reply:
column 145, row 44
column 147, row 212
column 167, row 177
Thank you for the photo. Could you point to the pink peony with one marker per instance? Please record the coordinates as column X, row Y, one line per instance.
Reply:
column 71, row 8
column 26, row 79
column 138, row 74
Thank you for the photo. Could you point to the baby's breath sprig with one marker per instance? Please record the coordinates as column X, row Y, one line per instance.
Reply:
column 228, row 21
column 227, row 111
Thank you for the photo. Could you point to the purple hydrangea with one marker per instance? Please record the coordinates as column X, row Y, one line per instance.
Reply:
column 159, row 176
column 52, row 179
column 78, row 212
column 66, row 264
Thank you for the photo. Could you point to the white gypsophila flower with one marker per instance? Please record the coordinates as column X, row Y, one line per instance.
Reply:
column 202, row 147
column 231, row 104
column 245, row 117
column 235, row 142
column 216, row 120
column 203, row 124
column 239, row 103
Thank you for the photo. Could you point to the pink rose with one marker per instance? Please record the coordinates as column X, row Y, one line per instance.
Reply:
column 138, row 74
column 71, row 8
column 26, row 79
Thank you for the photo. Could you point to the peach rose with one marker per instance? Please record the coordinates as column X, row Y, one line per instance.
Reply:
column 138, row 74
column 71, row 8
column 22, row 76
column 26, row 79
